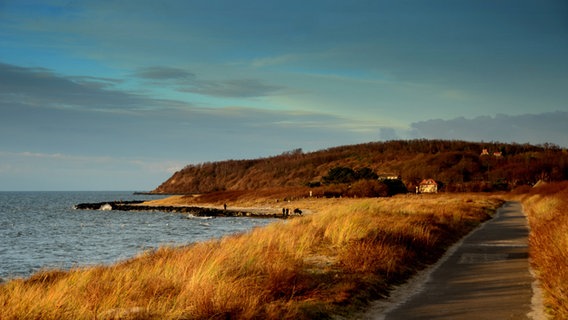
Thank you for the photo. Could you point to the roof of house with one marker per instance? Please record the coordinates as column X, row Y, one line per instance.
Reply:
column 428, row 182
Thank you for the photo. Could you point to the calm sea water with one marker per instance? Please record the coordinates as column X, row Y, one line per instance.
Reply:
column 42, row 230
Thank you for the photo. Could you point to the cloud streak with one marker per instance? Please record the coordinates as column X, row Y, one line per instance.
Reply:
column 42, row 88
column 235, row 88
column 163, row 73
column 184, row 81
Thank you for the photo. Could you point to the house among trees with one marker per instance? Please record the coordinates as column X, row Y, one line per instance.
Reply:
column 496, row 154
column 428, row 186
column 389, row 176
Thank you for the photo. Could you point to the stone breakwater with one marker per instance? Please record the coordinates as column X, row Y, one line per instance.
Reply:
column 190, row 210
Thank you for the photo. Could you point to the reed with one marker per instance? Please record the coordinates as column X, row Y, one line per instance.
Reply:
column 546, row 207
column 334, row 261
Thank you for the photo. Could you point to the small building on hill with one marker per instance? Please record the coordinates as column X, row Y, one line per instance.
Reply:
column 389, row 176
column 428, row 186
column 496, row 154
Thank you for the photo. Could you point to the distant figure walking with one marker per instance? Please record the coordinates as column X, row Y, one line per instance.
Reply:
column 225, row 206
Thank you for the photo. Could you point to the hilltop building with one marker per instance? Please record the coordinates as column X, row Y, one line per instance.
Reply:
column 496, row 154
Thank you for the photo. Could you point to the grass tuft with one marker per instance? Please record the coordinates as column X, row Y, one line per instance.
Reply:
column 548, row 242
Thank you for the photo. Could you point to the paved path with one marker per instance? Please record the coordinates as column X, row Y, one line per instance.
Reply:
column 486, row 277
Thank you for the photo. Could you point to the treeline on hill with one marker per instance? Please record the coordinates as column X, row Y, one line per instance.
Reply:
column 458, row 166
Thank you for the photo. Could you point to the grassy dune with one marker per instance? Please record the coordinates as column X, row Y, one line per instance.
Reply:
column 546, row 208
column 333, row 261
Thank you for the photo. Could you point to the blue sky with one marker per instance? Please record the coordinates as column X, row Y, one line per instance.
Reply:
column 118, row 95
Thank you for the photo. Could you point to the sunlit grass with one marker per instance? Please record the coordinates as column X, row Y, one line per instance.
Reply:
column 546, row 207
column 348, row 252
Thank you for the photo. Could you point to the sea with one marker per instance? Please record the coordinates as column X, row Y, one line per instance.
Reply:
column 43, row 230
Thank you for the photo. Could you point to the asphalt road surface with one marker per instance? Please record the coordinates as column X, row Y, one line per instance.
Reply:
column 486, row 277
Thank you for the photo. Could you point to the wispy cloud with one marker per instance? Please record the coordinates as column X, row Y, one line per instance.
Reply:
column 97, row 83
column 184, row 81
column 44, row 88
column 236, row 88
column 164, row 73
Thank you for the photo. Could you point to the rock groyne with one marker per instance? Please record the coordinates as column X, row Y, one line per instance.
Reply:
column 190, row 210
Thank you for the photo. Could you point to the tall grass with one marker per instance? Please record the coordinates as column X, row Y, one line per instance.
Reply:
column 349, row 252
column 546, row 207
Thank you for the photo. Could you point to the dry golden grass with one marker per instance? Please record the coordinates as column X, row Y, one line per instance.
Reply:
column 546, row 208
column 333, row 261
column 265, row 197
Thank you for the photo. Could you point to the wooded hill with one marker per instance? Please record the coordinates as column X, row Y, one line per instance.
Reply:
column 457, row 166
